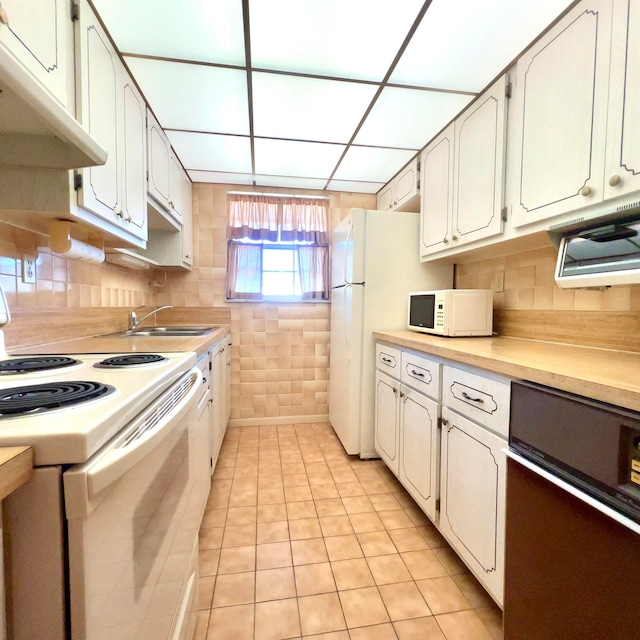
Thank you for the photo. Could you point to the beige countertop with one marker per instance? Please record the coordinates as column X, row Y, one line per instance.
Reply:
column 16, row 467
column 602, row 374
column 127, row 344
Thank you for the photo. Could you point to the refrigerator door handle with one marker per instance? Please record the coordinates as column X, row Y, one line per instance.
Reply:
column 348, row 241
column 347, row 321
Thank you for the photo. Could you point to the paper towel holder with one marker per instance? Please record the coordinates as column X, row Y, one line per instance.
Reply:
column 61, row 242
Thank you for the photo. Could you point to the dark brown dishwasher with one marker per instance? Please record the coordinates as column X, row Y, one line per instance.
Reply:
column 572, row 566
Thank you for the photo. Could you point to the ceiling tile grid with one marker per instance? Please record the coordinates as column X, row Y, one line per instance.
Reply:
column 331, row 94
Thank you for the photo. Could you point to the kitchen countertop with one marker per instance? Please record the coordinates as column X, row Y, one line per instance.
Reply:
column 16, row 468
column 129, row 344
column 602, row 374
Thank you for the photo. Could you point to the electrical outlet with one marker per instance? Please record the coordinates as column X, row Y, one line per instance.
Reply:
column 497, row 284
column 28, row 269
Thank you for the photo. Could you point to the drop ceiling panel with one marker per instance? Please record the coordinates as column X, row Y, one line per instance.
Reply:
column 195, row 30
column 210, row 152
column 356, row 187
column 301, row 108
column 296, row 159
column 372, row 164
column 409, row 118
column 463, row 45
column 220, row 177
column 192, row 96
column 341, row 38
column 286, row 181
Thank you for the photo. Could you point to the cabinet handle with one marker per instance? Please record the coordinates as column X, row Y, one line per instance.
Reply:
column 445, row 241
column 614, row 181
column 454, row 238
column 417, row 373
column 444, row 421
column 395, row 391
column 386, row 360
column 4, row 18
column 466, row 396
column 585, row 191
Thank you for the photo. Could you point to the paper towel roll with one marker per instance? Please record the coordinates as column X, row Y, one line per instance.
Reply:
column 83, row 251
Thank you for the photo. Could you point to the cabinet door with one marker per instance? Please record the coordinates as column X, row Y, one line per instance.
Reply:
column 38, row 34
column 98, row 111
column 159, row 151
column 406, row 185
column 419, row 449
column 478, row 175
column 134, row 167
column 385, row 198
column 216, row 400
column 436, row 193
column 175, row 188
column 187, row 221
column 386, row 420
column 561, row 111
column 472, row 492
column 622, row 168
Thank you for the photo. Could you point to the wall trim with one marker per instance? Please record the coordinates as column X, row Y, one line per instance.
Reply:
column 259, row 422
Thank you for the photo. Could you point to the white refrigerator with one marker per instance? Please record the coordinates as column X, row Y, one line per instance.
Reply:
column 374, row 266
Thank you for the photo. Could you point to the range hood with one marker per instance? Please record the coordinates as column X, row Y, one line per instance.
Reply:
column 35, row 129
column 601, row 254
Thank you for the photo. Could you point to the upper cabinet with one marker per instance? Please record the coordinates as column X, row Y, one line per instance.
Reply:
column 576, row 144
column 463, row 176
column 37, row 123
column 113, row 111
column 165, row 171
column 38, row 34
column 402, row 193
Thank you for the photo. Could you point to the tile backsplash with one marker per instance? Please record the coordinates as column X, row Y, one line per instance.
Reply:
column 529, row 285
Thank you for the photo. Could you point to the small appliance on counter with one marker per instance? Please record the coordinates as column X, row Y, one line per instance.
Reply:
column 452, row 312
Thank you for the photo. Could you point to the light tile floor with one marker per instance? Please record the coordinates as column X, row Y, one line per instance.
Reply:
column 300, row 540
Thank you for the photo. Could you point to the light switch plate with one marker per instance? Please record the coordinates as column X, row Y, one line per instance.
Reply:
column 28, row 269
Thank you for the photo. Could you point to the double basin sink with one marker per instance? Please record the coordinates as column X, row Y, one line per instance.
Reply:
column 168, row 331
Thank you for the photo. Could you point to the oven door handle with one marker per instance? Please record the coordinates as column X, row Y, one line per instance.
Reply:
column 128, row 448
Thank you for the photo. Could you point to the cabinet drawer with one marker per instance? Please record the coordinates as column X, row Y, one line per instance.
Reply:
column 421, row 373
column 388, row 359
column 478, row 396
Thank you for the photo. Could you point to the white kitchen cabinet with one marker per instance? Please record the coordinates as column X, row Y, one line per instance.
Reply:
column 39, row 34
column 220, row 358
column 463, row 172
column 401, row 193
column 113, row 111
column 560, row 126
column 622, row 159
column 187, row 220
column 387, row 436
column 472, row 494
column 418, row 468
column 165, row 183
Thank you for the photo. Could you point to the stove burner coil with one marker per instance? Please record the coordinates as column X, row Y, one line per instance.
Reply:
column 17, row 401
column 130, row 360
column 36, row 363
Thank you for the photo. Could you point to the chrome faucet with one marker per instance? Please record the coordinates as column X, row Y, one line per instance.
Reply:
column 135, row 322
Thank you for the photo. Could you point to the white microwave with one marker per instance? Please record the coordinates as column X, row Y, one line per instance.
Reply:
column 452, row 312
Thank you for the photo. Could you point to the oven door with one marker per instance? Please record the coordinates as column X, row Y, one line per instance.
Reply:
column 133, row 514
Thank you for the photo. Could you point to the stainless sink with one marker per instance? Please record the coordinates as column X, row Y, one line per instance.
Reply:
column 168, row 331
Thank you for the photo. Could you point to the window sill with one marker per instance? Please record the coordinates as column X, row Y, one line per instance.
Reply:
column 276, row 300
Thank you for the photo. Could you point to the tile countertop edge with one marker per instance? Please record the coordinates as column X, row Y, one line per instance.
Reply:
column 126, row 344
column 606, row 375
column 16, row 468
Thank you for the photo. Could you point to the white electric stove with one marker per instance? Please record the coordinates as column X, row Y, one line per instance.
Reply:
column 102, row 542
column 66, row 407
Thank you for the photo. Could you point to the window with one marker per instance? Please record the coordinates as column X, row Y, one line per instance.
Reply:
column 277, row 248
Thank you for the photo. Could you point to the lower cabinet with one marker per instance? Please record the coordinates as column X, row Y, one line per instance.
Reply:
column 442, row 430
column 220, row 363
column 387, row 439
column 472, row 491
column 419, row 446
